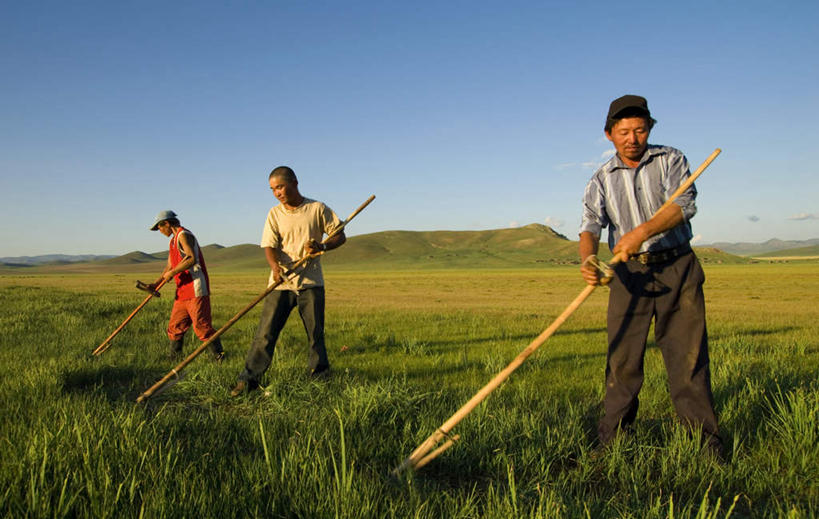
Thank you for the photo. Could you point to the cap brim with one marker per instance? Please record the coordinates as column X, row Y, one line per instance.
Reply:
column 634, row 109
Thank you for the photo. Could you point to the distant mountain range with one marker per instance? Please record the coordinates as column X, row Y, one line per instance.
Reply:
column 764, row 248
column 52, row 259
column 529, row 246
column 811, row 251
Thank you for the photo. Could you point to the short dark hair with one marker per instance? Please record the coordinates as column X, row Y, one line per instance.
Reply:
column 629, row 112
column 285, row 173
column 173, row 222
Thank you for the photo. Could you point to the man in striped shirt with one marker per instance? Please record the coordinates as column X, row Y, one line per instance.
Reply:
column 662, row 280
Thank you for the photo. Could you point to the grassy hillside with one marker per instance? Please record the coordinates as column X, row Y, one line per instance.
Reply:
column 131, row 258
column 530, row 246
column 807, row 252
column 712, row 255
column 238, row 257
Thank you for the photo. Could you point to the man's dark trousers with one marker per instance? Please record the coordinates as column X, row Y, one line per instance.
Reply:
column 277, row 307
column 671, row 294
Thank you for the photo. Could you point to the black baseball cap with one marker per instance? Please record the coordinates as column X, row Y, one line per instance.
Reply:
column 636, row 104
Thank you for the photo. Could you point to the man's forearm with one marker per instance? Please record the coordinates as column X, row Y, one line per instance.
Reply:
column 335, row 242
column 589, row 244
column 186, row 248
column 666, row 219
column 182, row 266
column 166, row 269
column 272, row 257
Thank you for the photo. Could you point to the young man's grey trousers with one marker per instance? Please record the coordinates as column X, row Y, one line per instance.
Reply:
column 277, row 307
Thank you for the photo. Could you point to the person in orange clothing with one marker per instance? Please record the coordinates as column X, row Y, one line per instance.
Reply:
column 186, row 266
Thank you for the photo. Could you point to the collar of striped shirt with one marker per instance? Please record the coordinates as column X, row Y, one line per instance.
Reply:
column 616, row 163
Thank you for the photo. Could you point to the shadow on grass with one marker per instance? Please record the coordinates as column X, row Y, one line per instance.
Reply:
column 572, row 359
column 524, row 338
column 466, row 468
column 370, row 343
column 746, row 419
column 745, row 332
column 766, row 382
column 753, row 413
column 115, row 383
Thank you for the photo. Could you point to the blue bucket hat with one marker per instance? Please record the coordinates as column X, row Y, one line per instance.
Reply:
column 163, row 215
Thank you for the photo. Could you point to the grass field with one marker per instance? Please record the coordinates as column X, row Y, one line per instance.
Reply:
column 408, row 349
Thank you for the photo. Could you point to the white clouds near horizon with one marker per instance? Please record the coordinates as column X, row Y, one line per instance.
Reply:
column 804, row 216
column 553, row 222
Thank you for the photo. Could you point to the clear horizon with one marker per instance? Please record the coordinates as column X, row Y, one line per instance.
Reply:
column 457, row 116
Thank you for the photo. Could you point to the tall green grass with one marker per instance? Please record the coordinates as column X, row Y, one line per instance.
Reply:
column 407, row 350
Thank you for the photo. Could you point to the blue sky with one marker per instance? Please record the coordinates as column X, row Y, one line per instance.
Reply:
column 456, row 115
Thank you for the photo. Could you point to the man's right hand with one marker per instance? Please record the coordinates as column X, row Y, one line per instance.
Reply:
column 153, row 286
column 589, row 272
column 277, row 274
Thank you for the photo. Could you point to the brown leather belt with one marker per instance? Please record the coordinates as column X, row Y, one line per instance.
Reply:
column 661, row 256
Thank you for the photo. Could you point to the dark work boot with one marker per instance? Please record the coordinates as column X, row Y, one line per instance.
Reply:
column 244, row 386
column 216, row 350
column 175, row 351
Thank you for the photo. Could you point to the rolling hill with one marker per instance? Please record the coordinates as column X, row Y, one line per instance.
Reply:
column 131, row 258
column 527, row 246
column 806, row 252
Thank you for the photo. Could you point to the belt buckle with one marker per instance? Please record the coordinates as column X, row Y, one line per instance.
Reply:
column 650, row 258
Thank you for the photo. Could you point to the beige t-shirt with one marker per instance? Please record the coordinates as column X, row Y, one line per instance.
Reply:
column 288, row 231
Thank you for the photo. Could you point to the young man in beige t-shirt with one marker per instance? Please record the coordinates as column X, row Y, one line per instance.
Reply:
column 293, row 229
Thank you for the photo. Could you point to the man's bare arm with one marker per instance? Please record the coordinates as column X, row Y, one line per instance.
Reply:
column 666, row 219
column 331, row 243
column 186, row 246
column 589, row 244
column 272, row 257
column 167, row 268
column 336, row 241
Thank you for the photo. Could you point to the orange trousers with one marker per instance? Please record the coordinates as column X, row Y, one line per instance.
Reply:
column 190, row 312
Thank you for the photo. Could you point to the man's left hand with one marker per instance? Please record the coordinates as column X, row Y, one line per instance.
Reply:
column 630, row 242
column 313, row 247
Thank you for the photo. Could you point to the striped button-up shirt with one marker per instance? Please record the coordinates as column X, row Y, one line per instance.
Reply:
column 621, row 198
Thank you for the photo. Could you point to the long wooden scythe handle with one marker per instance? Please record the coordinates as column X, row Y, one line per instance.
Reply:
column 107, row 342
column 179, row 367
column 422, row 455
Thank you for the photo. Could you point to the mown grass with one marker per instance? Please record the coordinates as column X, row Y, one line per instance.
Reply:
column 408, row 349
